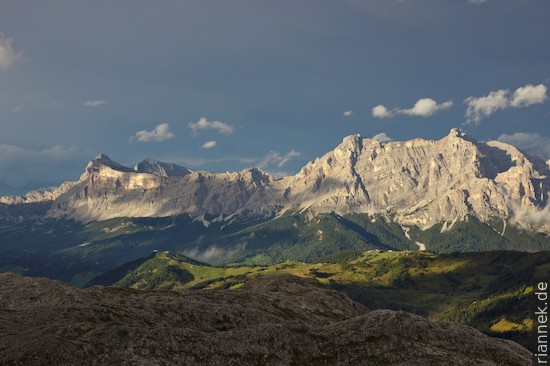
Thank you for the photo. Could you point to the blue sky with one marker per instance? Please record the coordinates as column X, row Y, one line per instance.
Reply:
column 226, row 85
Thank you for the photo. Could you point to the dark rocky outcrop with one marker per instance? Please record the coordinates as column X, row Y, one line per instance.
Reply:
column 280, row 320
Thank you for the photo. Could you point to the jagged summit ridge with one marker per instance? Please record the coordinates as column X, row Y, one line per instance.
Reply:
column 104, row 160
column 417, row 182
column 422, row 182
column 160, row 168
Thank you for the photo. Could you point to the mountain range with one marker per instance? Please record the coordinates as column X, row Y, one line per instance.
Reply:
column 417, row 183
column 454, row 194
column 356, row 220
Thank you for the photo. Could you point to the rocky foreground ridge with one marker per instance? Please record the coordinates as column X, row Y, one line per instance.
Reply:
column 417, row 182
column 278, row 320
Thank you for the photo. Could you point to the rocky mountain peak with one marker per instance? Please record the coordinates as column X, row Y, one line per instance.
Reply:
column 456, row 132
column 256, row 175
column 160, row 168
column 352, row 143
column 103, row 160
column 457, row 137
column 102, row 157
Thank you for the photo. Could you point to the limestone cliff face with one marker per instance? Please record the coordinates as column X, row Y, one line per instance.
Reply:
column 108, row 190
column 38, row 195
column 421, row 182
column 417, row 182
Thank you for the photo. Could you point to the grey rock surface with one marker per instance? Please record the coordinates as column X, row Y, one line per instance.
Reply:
column 278, row 320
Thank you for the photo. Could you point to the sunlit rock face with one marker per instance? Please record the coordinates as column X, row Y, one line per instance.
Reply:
column 417, row 182
column 38, row 195
column 107, row 190
column 421, row 182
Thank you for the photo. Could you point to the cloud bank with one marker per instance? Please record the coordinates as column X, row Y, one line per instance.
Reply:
column 23, row 169
column 482, row 107
column 424, row 107
column 531, row 143
column 159, row 134
column 204, row 124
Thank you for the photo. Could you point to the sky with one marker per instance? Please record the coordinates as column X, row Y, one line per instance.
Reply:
column 231, row 84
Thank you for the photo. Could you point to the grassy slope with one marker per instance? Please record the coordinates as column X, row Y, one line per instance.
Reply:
column 75, row 253
column 491, row 291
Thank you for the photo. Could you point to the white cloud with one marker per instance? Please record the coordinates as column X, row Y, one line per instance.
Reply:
column 204, row 124
column 95, row 103
column 215, row 254
column 382, row 137
column 347, row 113
column 17, row 109
column 529, row 94
column 381, row 111
column 481, row 107
column 209, row 144
column 274, row 158
column 160, row 133
column 531, row 143
column 530, row 218
column 424, row 107
column 8, row 57
column 477, row 1
column 288, row 157
column 487, row 105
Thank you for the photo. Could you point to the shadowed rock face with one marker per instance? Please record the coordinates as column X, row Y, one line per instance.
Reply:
column 281, row 320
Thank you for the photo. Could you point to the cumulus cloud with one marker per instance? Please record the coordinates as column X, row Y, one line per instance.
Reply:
column 274, row 158
column 159, row 134
column 95, row 103
column 204, row 124
column 209, row 144
column 23, row 169
column 531, row 143
column 382, row 137
column 481, row 107
column 8, row 57
column 347, row 113
column 424, row 107
column 529, row 94
column 381, row 111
